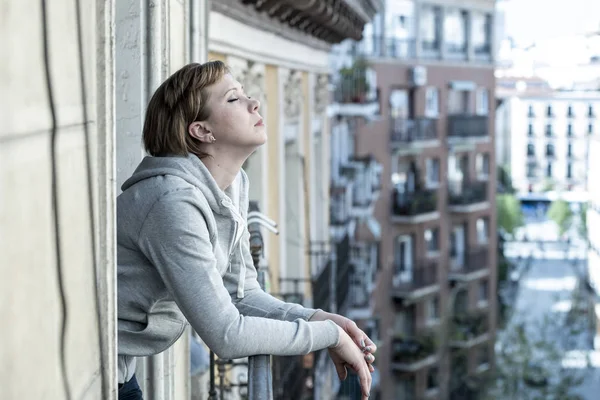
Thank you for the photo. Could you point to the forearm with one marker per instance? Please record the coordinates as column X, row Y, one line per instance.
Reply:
column 257, row 303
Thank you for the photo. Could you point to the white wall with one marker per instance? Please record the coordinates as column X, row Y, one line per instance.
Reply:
column 30, row 302
column 519, row 108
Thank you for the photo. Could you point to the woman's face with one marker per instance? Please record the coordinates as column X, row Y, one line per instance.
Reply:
column 233, row 119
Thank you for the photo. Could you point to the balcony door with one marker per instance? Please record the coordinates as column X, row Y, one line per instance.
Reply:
column 401, row 112
column 458, row 172
column 457, row 247
column 403, row 259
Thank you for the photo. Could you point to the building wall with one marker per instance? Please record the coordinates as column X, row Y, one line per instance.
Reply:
column 559, row 122
column 31, row 301
column 374, row 138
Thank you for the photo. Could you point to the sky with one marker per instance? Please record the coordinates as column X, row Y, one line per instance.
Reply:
column 529, row 21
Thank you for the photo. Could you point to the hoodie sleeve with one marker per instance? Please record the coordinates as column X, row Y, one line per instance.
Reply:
column 257, row 302
column 176, row 240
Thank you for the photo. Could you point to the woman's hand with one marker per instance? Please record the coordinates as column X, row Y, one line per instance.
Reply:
column 358, row 336
column 347, row 354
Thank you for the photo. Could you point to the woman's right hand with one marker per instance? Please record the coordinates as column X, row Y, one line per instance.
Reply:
column 348, row 354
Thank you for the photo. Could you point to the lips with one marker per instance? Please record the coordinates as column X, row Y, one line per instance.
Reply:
column 259, row 123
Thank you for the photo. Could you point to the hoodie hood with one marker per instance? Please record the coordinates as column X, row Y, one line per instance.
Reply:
column 192, row 170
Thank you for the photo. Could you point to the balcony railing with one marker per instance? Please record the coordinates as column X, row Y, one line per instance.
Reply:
column 413, row 352
column 468, row 126
column 404, row 131
column 379, row 46
column 343, row 274
column 290, row 378
column 412, row 204
column 321, row 288
column 411, row 285
column 465, row 263
column 467, row 193
column 468, row 329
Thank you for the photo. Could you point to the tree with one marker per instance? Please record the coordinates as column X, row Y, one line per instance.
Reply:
column 582, row 227
column 560, row 212
column 529, row 362
column 510, row 216
column 504, row 179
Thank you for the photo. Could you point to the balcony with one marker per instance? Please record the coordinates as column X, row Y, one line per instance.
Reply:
column 343, row 273
column 412, row 353
column 469, row 329
column 467, row 196
column 414, row 207
column 418, row 132
column 379, row 47
column 415, row 281
column 470, row 127
column 469, row 265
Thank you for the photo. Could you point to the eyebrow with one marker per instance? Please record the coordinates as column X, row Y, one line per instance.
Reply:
column 233, row 88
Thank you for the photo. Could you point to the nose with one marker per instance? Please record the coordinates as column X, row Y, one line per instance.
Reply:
column 254, row 105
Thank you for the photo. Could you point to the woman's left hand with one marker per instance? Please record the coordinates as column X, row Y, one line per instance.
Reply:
column 358, row 336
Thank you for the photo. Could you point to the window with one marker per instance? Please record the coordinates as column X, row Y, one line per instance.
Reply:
column 569, row 150
column 455, row 30
column 530, row 130
column 481, row 33
column 590, row 128
column 550, row 150
column 431, row 27
column 530, row 112
column 530, row 149
column 432, row 166
column 482, row 230
column 548, row 129
column 531, row 167
column 570, row 111
column 590, row 111
column 432, row 102
column 569, row 171
column 483, row 293
column 432, row 240
column 549, row 170
column 458, row 102
column 432, row 378
column 549, row 111
column 482, row 98
column 433, row 309
column 483, row 358
column 569, row 130
column 403, row 259
column 482, row 164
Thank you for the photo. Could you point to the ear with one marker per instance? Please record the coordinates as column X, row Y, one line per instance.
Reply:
column 198, row 130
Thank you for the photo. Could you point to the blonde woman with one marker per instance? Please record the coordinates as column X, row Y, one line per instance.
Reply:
column 183, row 246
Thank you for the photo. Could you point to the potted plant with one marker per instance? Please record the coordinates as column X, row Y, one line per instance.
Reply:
column 353, row 82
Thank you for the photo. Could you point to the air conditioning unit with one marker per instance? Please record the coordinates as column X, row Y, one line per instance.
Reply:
column 418, row 75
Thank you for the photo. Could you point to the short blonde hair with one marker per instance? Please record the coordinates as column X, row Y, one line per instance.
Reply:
column 179, row 101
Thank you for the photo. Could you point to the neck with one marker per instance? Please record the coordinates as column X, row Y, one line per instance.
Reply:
column 223, row 168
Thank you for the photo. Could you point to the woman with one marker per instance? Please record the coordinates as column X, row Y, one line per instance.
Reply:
column 183, row 246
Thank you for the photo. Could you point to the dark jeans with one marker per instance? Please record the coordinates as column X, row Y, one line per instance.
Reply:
column 130, row 390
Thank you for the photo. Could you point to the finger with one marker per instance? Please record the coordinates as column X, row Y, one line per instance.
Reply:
column 372, row 346
column 371, row 368
column 357, row 335
column 370, row 358
column 341, row 371
column 365, row 381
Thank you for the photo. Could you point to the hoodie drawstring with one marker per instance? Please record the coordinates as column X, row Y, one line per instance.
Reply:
column 239, row 232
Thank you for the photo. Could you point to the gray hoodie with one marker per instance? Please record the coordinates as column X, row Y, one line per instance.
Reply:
column 183, row 254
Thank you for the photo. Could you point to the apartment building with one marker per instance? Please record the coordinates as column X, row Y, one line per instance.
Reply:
column 549, row 136
column 420, row 87
column 593, row 227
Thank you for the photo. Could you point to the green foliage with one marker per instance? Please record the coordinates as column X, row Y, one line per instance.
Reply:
column 582, row 228
column 354, row 82
column 529, row 362
column 560, row 212
column 504, row 179
column 548, row 185
column 510, row 216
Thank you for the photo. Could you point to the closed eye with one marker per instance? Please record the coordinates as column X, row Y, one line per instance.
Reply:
column 232, row 100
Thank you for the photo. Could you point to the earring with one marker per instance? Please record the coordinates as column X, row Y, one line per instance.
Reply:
column 212, row 139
